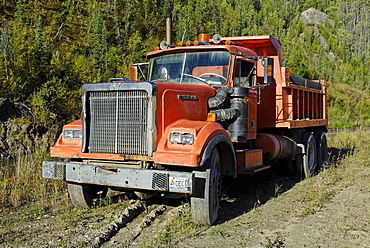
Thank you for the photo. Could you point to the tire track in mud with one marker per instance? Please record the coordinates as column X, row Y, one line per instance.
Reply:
column 129, row 225
column 120, row 222
column 128, row 235
column 146, row 222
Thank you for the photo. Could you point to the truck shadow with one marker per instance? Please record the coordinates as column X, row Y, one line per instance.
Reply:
column 247, row 192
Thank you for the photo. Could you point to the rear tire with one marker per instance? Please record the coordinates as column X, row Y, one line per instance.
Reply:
column 322, row 149
column 310, row 155
column 83, row 195
column 205, row 205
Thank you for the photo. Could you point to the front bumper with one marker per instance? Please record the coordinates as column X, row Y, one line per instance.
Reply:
column 158, row 180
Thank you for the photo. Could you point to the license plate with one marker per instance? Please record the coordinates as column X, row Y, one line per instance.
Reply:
column 179, row 184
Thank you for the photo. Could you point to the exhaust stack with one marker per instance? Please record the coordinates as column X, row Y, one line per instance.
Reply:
column 169, row 31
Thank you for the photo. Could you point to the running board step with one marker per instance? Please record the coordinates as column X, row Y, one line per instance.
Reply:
column 250, row 161
column 255, row 169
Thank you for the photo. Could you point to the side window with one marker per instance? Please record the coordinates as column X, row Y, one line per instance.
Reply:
column 244, row 74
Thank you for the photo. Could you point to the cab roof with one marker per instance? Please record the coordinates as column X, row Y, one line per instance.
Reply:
column 233, row 49
column 249, row 46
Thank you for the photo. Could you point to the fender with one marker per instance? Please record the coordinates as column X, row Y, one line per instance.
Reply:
column 194, row 155
column 227, row 154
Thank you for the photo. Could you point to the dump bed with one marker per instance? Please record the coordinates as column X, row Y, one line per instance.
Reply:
column 291, row 102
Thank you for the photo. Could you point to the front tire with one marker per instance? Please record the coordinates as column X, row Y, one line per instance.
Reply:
column 83, row 195
column 205, row 206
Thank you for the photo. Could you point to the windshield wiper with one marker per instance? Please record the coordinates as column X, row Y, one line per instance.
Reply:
column 198, row 78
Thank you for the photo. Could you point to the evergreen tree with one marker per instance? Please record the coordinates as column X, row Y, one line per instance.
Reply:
column 99, row 39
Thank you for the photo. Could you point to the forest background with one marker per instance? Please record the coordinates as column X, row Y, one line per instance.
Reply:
column 48, row 49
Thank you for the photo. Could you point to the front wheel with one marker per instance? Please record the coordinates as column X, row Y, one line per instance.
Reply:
column 83, row 195
column 205, row 204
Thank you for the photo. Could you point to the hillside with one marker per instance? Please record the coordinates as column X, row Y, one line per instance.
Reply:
column 50, row 48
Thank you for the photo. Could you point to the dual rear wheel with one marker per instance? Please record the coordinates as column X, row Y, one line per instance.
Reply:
column 315, row 154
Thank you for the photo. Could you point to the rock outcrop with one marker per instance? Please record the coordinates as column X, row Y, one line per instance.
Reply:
column 17, row 133
column 314, row 17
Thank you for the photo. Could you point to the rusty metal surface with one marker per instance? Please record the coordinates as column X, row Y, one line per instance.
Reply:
column 129, row 178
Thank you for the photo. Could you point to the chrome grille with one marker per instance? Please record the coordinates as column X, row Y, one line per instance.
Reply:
column 118, row 122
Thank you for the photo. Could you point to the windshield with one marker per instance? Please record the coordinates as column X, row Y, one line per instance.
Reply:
column 211, row 67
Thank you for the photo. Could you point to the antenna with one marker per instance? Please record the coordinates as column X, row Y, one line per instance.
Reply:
column 183, row 35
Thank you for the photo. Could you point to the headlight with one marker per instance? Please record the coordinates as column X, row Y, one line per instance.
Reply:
column 187, row 138
column 175, row 138
column 182, row 138
column 72, row 133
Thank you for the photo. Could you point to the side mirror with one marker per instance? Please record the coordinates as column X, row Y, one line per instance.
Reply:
column 132, row 72
column 268, row 75
column 135, row 69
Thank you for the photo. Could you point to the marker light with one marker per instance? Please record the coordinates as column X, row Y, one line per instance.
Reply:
column 269, row 70
column 211, row 117
column 189, row 43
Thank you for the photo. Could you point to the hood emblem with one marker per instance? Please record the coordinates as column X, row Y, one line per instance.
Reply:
column 187, row 97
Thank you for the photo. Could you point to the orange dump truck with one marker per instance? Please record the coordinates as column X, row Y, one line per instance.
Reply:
column 209, row 108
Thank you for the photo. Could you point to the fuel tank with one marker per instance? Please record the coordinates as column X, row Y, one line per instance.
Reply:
column 275, row 147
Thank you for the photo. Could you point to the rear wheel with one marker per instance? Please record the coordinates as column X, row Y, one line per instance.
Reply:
column 205, row 203
column 310, row 155
column 83, row 195
column 322, row 149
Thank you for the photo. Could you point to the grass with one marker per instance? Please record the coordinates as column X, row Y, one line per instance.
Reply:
column 353, row 140
column 21, row 182
column 314, row 196
column 102, row 216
